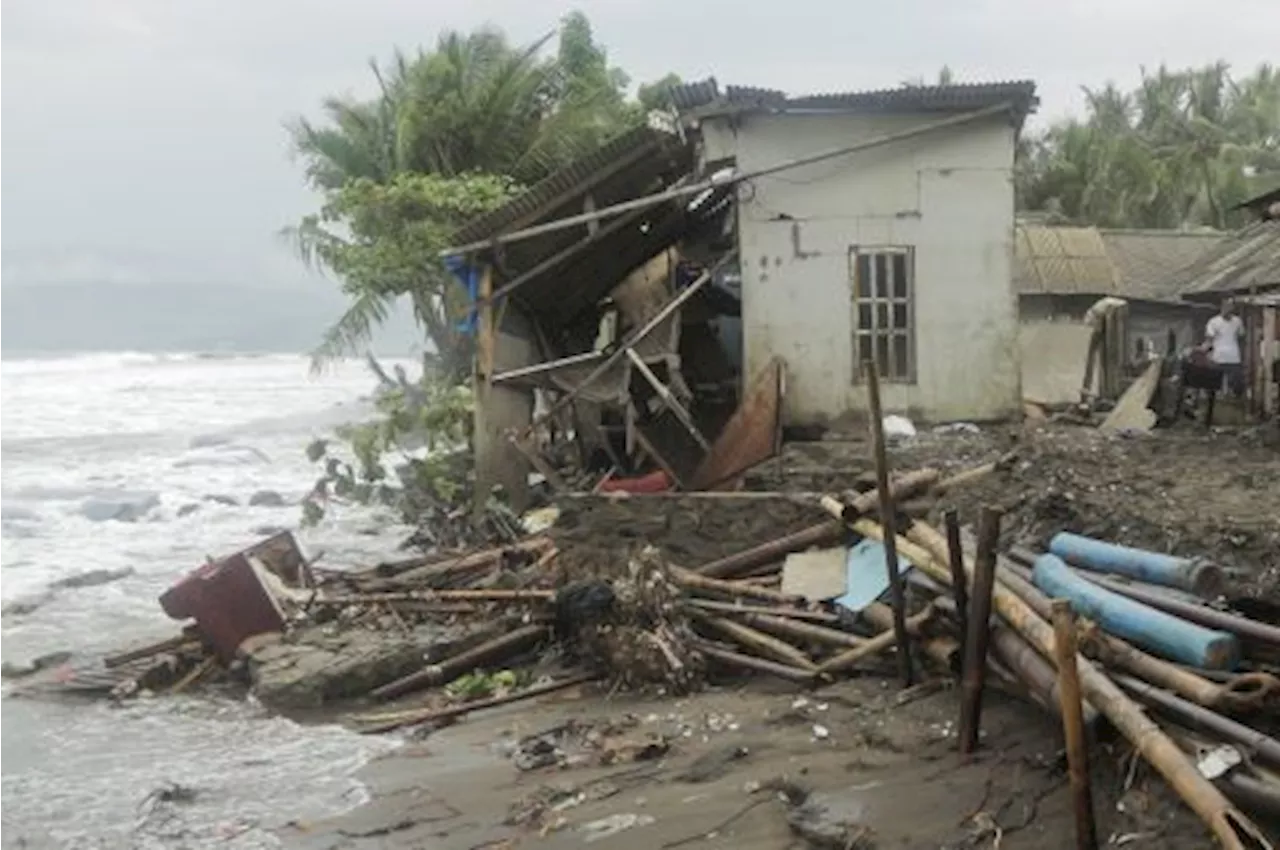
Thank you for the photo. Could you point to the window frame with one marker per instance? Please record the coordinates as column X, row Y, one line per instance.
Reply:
column 880, row 302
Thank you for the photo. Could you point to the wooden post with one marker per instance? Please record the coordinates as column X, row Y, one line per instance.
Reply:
column 959, row 582
column 1064, row 650
column 1267, row 361
column 975, row 645
column 486, row 333
column 888, row 521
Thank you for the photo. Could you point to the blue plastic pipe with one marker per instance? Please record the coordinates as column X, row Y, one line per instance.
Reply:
column 1139, row 564
column 1141, row 625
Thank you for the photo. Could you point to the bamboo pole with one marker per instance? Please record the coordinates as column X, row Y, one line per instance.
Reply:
column 450, row 668
column 888, row 519
column 801, row 630
column 943, row 649
column 779, row 611
column 978, row 637
column 388, row 722
column 766, row 646
column 750, row 662
column 875, row 645
column 1229, row 825
column 1242, row 693
column 465, row 595
column 1064, row 650
column 694, row 581
column 195, row 674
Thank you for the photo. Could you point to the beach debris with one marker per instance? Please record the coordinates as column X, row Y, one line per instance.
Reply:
column 607, row 827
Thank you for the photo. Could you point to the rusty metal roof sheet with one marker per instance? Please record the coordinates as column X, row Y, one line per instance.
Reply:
column 705, row 98
column 530, row 205
column 1242, row 262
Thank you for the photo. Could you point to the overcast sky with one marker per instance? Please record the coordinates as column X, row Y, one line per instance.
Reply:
column 143, row 140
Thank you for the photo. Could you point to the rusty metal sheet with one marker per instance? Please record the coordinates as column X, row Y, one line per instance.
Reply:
column 752, row 435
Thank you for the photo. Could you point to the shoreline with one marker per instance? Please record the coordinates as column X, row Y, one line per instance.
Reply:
column 882, row 761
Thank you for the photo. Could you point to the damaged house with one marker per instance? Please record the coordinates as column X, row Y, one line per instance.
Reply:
column 1245, row 266
column 1061, row 271
column 672, row 299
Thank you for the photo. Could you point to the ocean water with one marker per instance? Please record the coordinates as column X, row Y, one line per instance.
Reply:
column 86, row 437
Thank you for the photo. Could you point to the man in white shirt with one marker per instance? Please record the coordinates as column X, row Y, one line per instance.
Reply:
column 1222, row 340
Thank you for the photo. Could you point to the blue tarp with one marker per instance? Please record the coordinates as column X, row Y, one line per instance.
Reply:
column 867, row 571
column 469, row 277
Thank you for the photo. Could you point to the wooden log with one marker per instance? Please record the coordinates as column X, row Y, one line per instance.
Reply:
column 888, row 519
column 959, row 584
column 764, row 645
column 386, row 723
column 448, row 669
column 174, row 644
column 1071, row 701
column 978, row 637
column 876, row 645
column 1234, row 830
column 757, row 665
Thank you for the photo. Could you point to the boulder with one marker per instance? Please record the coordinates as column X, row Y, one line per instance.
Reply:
column 266, row 499
column 835, row 821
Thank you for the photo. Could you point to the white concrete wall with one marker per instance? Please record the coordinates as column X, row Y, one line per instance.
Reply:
column 948, row 194
column 1053, row 359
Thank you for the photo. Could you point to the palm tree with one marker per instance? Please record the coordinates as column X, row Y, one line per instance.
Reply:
column 474, row 105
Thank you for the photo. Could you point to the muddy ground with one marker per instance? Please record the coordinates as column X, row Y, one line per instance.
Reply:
column 890, row 763
column 1186, row 492
column 740, row 761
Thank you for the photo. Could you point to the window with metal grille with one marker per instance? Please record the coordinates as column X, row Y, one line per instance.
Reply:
column 883, row 282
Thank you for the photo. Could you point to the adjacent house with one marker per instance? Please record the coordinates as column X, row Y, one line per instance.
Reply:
column 1061, row 271
column 1245, row 266
column 828, row 229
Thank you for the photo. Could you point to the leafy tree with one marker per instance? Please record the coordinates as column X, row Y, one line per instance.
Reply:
column 655, row 95
column 1180, row 150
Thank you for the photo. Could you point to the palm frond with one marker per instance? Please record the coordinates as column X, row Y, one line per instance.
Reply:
column 353, row 329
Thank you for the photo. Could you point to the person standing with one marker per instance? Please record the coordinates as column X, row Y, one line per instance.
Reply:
column 1222, row 340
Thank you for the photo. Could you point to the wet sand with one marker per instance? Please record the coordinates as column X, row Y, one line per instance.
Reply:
column 890, row 762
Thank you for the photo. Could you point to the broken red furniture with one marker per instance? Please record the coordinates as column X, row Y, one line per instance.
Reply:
column 228, row 602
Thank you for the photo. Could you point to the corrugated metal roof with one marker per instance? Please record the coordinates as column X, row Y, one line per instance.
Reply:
column 529, row 206
column 705, row 98
column 1062, row 261
column 1136, row 264
column 1149, row 263
column 573, row 273
column 1245, row 261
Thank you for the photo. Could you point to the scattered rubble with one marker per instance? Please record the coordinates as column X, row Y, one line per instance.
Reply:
column 669, row 593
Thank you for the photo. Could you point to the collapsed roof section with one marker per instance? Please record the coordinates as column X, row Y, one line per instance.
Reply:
column 558, row 275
